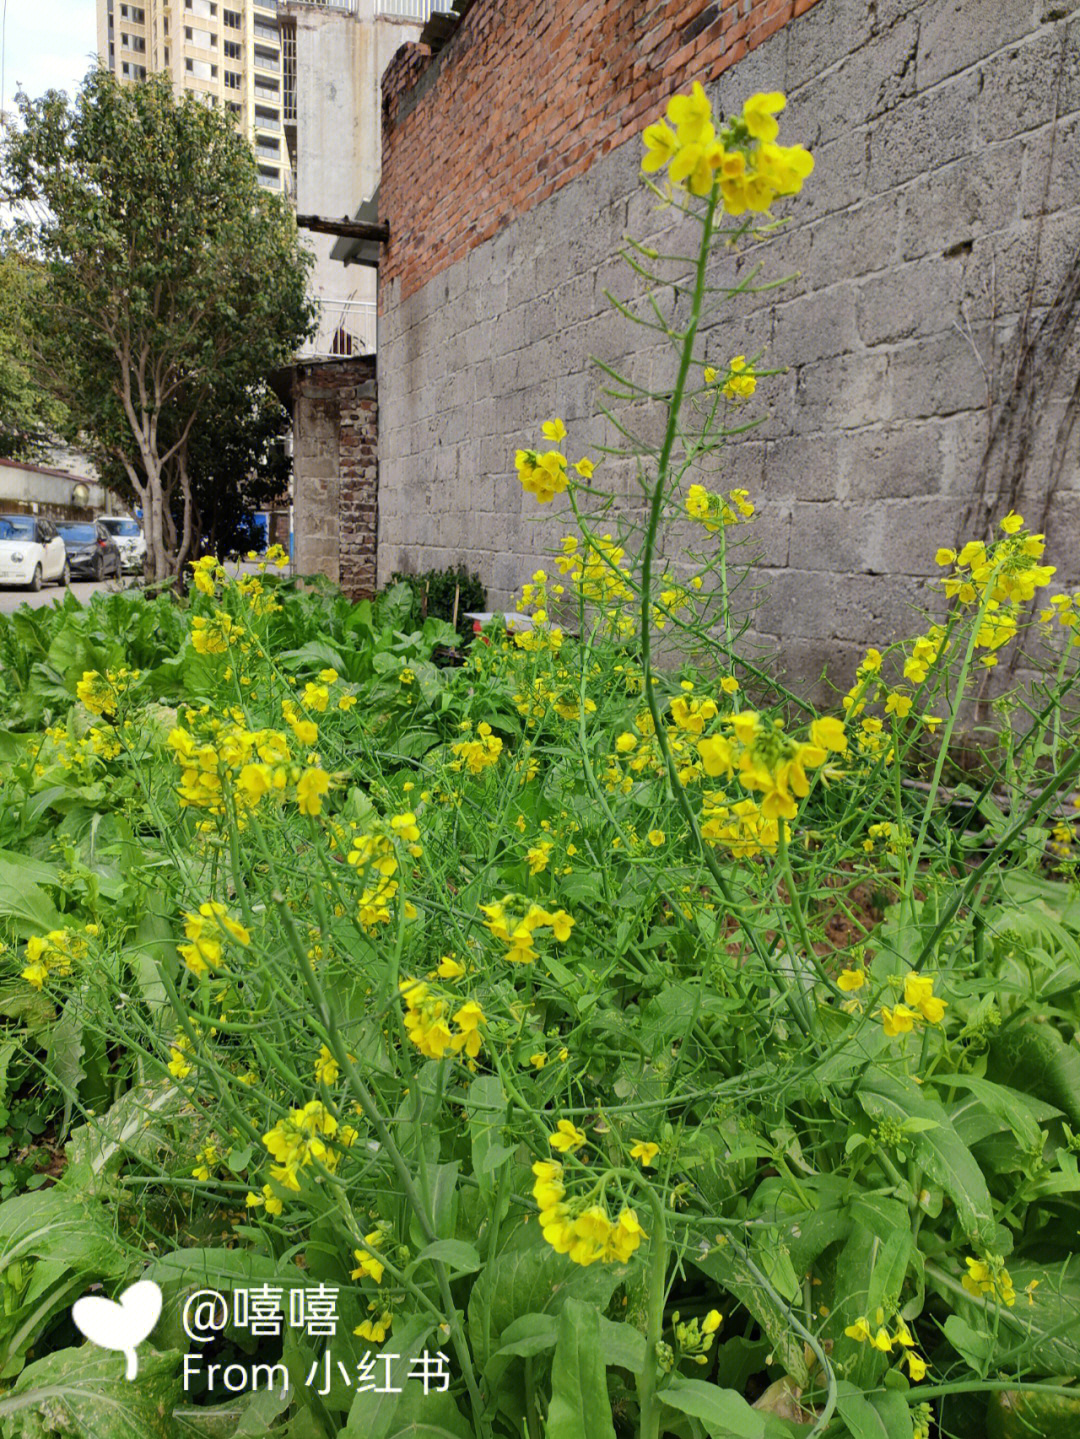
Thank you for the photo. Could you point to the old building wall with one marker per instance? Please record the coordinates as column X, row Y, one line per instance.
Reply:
column 336, row 472
column 929, row 246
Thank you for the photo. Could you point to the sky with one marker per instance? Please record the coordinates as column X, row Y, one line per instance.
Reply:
column 48, row 44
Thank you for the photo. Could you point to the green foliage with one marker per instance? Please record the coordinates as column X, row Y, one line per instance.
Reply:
column 28, row 414
column 446, row 595
column 536, row 1006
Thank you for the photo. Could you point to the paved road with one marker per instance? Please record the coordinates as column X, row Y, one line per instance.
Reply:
column 11, row 599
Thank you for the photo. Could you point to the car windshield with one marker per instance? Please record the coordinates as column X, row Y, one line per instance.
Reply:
column 128, row 528
column 78, row 534
column 15, row 527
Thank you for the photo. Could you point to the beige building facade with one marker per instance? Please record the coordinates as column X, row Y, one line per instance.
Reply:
column 228, row 53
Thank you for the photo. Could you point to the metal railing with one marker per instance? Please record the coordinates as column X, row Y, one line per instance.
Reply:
column 345, row 327
column 349, row 6
column 419, row 11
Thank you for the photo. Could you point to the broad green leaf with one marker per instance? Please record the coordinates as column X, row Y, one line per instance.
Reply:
column 529, row 1335
column 877, row 1416
column 725, row 1264
column 1020, row 1112
column 1035, row 1059
column 486, row 1107
column 725, row 1414
column 374, row 1416
column 941, row 1152
column 462, row 1258
column 528, row 1277
column 82, row 1393
column 579, row 1403
column 64, row 1055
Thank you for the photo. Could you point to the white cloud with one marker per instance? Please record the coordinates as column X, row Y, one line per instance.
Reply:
column 48, row 45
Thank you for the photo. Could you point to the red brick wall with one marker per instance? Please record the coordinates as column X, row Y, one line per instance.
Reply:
column 525, row 97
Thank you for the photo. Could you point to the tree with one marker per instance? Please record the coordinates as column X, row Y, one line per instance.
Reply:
column 237, row 463
column 175, row 279
column 29, row 417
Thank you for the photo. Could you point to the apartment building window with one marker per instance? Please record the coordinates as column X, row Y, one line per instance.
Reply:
column 166, row 54
column 231, row 18
column 232, row 107
column 166, row 25
column 265, row 32
column 132, row 42
column 132, row 12
column 112, row 54
column 213, row 72
column 267, row 59
column 232, row 80
column 232, row 50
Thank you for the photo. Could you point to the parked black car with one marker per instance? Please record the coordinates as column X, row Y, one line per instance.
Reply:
column 91, row 550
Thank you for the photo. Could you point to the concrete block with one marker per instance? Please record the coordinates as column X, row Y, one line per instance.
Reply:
column 956, row 34
column 935, row 377
column 1051, row 168
column 940, row 125
column 1019, row 84
column 836, row 536
column 919, row 299
column 957, row 203
column 893, row 463
column 846, row 393
column 821, row 36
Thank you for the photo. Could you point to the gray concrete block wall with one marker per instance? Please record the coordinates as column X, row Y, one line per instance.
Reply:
column 946, row 192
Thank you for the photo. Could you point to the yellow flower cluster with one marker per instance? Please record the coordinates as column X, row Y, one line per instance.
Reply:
column 741, row 381
column 428, row 1020
column 477, row 754
column 305, row 730
column 714, row 511
column 695, row 1338
column 53, row 954
column 988, row 1278
column 369, row 1266
column 579, row 1228
column 514, row 921
column 100, row 693
column 374, row 855
column 215, row 635
column 563, row 696
column 920, row 1004
column 222, row 752
column 743, row 160
column 301, row 1138
column 205, row 932
column 601, row 577
column 880, row 1338
column 1066, row 610
column 1006, row 572
column 206, row 574
column 544, row 473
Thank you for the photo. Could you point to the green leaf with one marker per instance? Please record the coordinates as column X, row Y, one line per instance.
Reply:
column 1035, row 1059
column 1012, row 1108
column 941, row 1152
column 375, row 1416
column 877, row 1416
column 82, row 1393
column 528, row 1277
column 529, row 1335
column 64, row 1055
column 461, row 1257
column 486, row 1107
column 725, row 1414
column 579, row 1403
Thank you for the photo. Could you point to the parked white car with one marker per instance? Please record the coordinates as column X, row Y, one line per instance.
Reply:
column 129, row 537
column 31, row 552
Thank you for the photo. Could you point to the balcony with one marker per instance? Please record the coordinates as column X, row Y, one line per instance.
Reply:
column 418, row 11
column 345, row 327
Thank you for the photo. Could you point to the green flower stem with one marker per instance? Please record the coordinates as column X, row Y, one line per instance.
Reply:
column 648, row 555
column 371, row 1113
column 908, row 895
